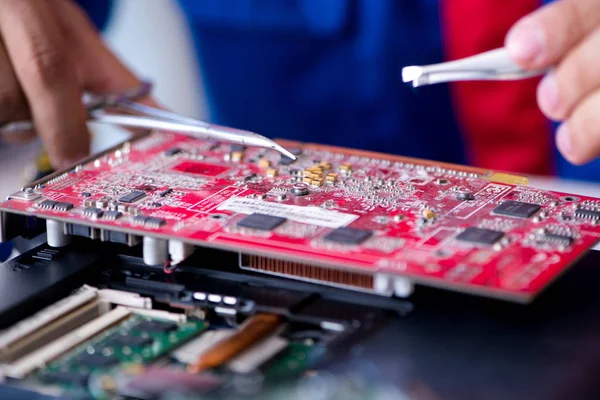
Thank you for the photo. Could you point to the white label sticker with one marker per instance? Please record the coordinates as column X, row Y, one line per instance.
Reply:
column 307, row 215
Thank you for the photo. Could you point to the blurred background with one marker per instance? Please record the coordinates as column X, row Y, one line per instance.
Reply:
column 165, row 56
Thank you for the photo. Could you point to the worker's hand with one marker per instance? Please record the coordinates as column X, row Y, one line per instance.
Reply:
column 565, row 35
column 49, row 54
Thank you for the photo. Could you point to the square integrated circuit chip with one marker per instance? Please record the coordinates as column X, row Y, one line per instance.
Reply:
column 348, row 235
column 132, row 196
column 479, row 236
column 516, row 209
column 261, row 222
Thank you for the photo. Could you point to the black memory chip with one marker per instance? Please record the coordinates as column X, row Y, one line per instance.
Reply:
column 517, row 209
column 96, row 360
column 155, row 326
column 261, row 222
column 479, row 236
column 587, row 214
column 133, row 196
column 348, row 235
column 131, row 341
column 67, row 377
column 563, row 239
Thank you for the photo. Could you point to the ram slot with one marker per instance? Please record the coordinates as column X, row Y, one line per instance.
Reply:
column 42, row 356
column 52, row 320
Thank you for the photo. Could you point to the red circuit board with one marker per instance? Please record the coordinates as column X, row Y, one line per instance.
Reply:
column 408, row 217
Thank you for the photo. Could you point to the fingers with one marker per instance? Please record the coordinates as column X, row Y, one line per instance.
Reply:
column 542, row 38
column 13, row 105
column 576, row 77
column 40, row 59
column 100, row 70
column 578, row 138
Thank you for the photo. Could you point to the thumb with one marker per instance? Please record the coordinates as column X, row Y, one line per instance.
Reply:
column 544, row 37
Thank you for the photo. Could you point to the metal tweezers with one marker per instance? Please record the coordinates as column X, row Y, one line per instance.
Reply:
column 494, row 65
column 147, row 117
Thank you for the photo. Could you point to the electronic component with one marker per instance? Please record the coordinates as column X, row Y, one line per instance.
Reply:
column 254, row 357
column 47, row 204
column 154, row 222
column 261, row 222
column 93, row 212
column 428, row 213
column 80, row 230
column 96, row 360
column 140, row 219
column 166, row 193
column 254, row 329
column 79, row 378
column 63, row 206
column 310, row 273
column 151, row 222
column 587, row 213
column 156, row 326
column 465, row 196
column 113, row 215
column 197, row 347
column 300, row 189
column 516, row 209
column 345, row 168
column 272, row 172
column 122, row 340
column 564, row 240
column 179, row 251
column 348, row 235
column 479, row 236
column 56, row 235
column 264, row 163
column 172, row 151
column 40, row 357
column 155, row 251
column 134, row 339
column 119, row 237
column 132, row 196
column 49, row 323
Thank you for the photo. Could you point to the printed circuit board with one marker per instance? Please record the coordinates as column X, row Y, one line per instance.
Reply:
column 336, row 216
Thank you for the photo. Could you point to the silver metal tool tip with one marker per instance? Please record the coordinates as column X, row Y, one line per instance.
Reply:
column 283, row 151
column 411, row 74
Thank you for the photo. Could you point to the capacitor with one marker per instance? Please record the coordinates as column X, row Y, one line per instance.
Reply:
column 428, row 214
column 56, row 236
column 300, row 189
column 156, row 251
column 179, row 251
